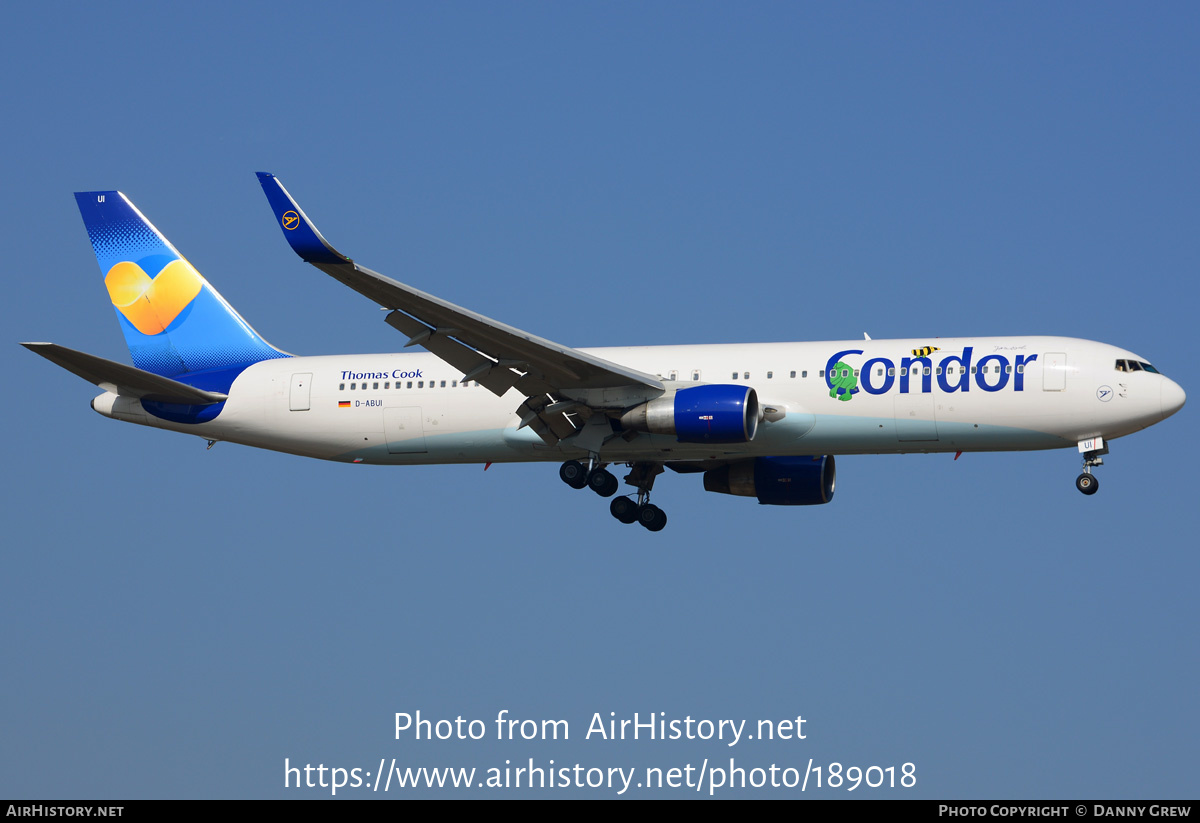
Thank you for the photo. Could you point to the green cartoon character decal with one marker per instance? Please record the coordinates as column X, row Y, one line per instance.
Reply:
column 842, row 381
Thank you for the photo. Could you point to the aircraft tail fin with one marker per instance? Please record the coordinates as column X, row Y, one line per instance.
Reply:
column 175, row 322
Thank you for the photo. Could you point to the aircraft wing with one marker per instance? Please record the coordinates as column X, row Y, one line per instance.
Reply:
column 121, row 379
column 552, row 377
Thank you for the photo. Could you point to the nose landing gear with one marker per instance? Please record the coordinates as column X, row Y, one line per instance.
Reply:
column 1087, row 483
column 1092, row 450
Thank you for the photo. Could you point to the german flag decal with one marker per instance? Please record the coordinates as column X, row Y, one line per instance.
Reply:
column 343, row 404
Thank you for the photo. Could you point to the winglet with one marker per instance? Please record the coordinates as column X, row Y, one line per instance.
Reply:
column 299, row 231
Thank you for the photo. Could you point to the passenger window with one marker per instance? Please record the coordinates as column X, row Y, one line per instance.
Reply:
column 746, row 375
column 1021, row 369
column 770, row 374
column 903, row 371
column 804, row 373
column 925, row 370
column 673, row 375
column 1008, row 369
column 733, row 376
column 879, row 372
column 856, row 372
column 341, row 387
column 793, row 374
column 420, row 384
column 892, row 372
column 937, row 371
column 443, row 384
column 352, row 385
column 696, row 376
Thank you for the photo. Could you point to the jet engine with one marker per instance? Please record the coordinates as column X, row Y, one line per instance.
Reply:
column 700, row 414
column 776, row 481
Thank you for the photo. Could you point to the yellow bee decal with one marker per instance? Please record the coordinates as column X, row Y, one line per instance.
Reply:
column 926, row 351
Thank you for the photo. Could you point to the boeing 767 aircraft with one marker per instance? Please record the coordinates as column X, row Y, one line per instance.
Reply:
column 760, row 420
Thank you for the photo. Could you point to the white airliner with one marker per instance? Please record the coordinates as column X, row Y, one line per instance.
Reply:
column 760, row 419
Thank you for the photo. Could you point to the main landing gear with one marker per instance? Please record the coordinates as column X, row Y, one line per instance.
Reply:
column 600, row 480
column 1092, row 450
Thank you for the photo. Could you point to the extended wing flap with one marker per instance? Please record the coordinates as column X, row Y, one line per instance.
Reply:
column 122, row 379
column 474, row 365
column 543, row 416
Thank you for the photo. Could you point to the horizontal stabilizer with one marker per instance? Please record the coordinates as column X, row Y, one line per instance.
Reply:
column 125, row 380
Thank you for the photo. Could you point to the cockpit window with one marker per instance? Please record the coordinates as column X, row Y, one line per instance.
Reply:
column 1135, row 365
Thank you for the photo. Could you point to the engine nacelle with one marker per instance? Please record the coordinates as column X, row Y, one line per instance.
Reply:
column 777, row 481
column 700, row 414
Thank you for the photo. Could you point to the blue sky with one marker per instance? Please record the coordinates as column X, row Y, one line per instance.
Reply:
column 178, row 622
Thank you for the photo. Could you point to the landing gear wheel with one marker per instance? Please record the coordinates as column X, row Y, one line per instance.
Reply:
column 652, row 517
column 1087, row 483
column 573, row 473
column 623, row 509
column 603, row 483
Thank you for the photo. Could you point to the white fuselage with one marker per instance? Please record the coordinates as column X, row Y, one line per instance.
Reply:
column 1036, row 393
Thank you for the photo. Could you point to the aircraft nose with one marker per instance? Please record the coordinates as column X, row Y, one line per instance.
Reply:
column 1173, row 397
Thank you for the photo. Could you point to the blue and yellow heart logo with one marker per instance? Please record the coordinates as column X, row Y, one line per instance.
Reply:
column 152, row 304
